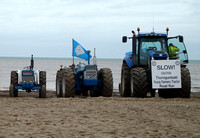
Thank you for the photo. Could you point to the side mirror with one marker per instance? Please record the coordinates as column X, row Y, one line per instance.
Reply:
column 124, row 39
column 180, row 38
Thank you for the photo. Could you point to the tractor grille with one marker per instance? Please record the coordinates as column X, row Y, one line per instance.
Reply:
column 91, row 72
column 28, row 76
column 160, row 58
column 90, row 75
column 28, row 79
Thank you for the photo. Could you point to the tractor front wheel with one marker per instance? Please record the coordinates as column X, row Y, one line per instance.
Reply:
column 11, row 91
column 105, row 76
column 42, row 78
column 139, row 82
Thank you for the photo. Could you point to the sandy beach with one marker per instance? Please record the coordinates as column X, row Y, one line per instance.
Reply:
column 30, row 116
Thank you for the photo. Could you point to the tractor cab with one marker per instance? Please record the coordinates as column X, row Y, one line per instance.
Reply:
column 148, row 46
column 151, row 46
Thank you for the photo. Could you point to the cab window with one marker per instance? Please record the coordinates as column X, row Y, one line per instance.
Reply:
column 182, row 53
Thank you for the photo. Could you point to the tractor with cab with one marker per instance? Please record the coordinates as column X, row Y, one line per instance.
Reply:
column 149, row 68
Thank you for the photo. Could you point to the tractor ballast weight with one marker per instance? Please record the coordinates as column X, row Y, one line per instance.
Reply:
column 28, row 80
column 84, row 79
column 149, row 57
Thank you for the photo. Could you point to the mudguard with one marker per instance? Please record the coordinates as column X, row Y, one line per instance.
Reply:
column 129, row 59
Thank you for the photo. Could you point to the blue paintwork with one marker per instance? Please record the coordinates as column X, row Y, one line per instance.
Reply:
column 129, row 61
column 28, row 86
column 151, row 34
column 128, row 54
column 152, row 53
column 85, row 84
column 90, row 82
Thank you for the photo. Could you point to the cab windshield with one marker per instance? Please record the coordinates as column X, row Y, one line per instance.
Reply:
column 148, row 44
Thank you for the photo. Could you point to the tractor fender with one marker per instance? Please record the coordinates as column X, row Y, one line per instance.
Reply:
column 129, row 61
column 37, row 78
column 19, row 72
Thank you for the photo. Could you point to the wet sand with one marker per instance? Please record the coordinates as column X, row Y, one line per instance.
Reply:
column 30, row 116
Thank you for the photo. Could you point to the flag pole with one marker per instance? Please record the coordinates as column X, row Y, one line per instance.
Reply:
column 73, row 53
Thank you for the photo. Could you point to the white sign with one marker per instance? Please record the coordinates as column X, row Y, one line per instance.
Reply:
column 166, row 74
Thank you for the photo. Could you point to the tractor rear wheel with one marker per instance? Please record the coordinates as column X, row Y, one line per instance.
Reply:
column 124, row 88
column 185, row 91
column 42, row 78
column 105, row 76
column 42, row 93
column 14, row 82
column 59, row 83
column 68, row 83
column 139, row 83
column 11, row 91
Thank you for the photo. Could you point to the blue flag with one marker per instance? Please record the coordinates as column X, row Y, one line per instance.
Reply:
column 79, row 51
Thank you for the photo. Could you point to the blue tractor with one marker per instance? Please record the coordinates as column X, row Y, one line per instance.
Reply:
column 149, row 67
column 83, row 79
column 28, row 80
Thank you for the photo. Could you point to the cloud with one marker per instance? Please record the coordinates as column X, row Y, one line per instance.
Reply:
column 53, row 23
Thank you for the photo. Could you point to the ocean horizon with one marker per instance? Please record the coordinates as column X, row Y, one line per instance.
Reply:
column 52, row 64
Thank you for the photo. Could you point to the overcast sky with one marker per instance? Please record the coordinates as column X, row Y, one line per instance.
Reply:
column 45, row 28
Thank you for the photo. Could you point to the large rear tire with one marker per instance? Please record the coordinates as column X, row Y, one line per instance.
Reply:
column 59, row 83
column 43, row 92
column 105, row 76
column 124, row 88
column 11, row 91
column 185, row 91
column 42, row 78
column 68, row 83
column 139, row 83
column 14, row 82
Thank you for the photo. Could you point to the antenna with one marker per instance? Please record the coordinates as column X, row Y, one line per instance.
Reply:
column 153, row 14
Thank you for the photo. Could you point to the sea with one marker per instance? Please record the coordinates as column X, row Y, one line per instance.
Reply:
column 51, row 65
